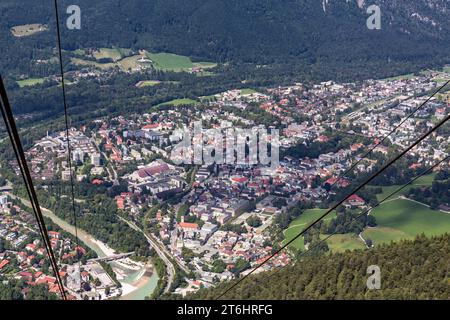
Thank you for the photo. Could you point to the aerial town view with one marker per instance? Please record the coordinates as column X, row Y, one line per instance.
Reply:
column 148, row 165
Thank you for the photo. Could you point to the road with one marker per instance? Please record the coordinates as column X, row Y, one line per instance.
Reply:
column 161, row 253
column 113, row 176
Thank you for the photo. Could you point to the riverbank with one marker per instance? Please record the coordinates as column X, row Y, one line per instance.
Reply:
column 137, row 279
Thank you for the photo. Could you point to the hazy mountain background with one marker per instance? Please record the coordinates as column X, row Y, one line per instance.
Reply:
column 330, row 32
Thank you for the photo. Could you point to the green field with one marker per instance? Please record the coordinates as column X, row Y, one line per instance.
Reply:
column 86, row 63
column 114, row 54
column 342, row 242
column 208, row 98
column 176, row 63
column 179, row 102
column 396, row 218
column 30, row 82
column 247, row 91
column 338, row 242
column 161, row 61
column 404, row 219
column 401, row 77
column 151, row 83
column 426, row 180
column 296, row 226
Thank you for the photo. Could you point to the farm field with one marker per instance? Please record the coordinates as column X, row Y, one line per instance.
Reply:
column 299, row 224
column 160, row 61
column 176, row 63
column 30, row 82
column 247, row 91
column 342, row 242
column 114, row 54
column 88, row 63
column 404, row 219
column 396, row 218
column 151, row 83
column 426, row 180
column 179, row 102
column 28, row 29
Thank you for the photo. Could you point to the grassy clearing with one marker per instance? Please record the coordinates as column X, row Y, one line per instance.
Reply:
column 114, row 54
column 343, row 242
column 87, row 63
column 161, row 61
column 30, row 82
column 28, row 29
column 129, row 63
column 147, row 83
column 208, row 98
column 247, row 91
column 151, row 83
column 404, row 219
column 296, row 226
column 179, row 102
column 401, row 77
column 176, row 63
column 426, row 180
column 384, row 235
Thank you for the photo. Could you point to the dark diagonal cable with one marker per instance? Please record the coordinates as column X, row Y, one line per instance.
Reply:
column 25, row 172
column 371, row 178
column 66, row 120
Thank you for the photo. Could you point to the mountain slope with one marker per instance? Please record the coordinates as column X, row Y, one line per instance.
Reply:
column 257, row 31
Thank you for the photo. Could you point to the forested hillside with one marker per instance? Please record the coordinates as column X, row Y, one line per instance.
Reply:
column 416, row 269
column 288, row 35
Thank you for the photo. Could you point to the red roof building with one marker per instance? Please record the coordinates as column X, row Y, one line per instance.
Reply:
column 187, row 225
column 3, row 263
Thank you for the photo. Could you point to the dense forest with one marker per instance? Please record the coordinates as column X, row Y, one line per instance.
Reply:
column 296, row 39
column 415, row 269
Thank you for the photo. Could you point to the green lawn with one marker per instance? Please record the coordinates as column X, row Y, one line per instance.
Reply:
column 179, row 102
column 148, row 83
column 81, row 62
column 296, row 226
column 174, row 62
column 384, row 235
column 113, row 53
column 151, row 83
column 403, row 219
column 342, row 242
column 30, row 82
column 247, row 91
column 401, row 77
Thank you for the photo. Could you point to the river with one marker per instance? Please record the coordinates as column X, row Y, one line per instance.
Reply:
column 136, row 284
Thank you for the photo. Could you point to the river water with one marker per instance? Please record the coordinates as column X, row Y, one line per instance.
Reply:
column 144, row 280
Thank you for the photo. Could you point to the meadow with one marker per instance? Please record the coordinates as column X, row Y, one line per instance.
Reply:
column 30, row 82
column 404, row 219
